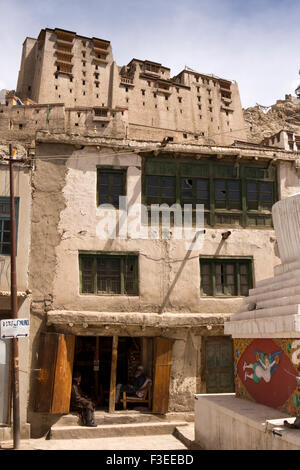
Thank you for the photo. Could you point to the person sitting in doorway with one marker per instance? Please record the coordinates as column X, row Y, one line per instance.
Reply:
column 136, row 384
column 81, row 403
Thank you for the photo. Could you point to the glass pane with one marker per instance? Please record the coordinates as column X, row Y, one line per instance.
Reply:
column 5, row 250
column 243, row 269
column 6, row 225
column 230, row 269
column 87, row 275
column 220, row 190
column 117, row 179
column 6, row 237
column 103, row 190
column 103, row 178
column 108, row 275
column 152, row 180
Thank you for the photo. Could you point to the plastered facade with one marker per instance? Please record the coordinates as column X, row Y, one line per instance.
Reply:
column 65, row 187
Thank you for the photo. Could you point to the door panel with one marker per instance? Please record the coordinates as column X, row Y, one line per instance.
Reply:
column 63, row 374
column 162, row 369
column 54, row 380
column 219, row 365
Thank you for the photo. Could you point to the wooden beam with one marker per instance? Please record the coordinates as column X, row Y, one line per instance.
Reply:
column 113, row 375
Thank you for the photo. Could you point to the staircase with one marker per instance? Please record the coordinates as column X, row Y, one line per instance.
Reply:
column 119, row 424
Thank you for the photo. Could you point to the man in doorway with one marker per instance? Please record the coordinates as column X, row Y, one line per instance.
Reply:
column 81, row 403
column 136, row 384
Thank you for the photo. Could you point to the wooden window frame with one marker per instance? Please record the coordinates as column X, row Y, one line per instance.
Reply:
column 123, row 258
column 111, row 171
column 4, row 217
column 236, row 261
column 213, row 170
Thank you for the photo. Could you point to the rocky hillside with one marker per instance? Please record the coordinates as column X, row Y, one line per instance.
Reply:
column 263, row 122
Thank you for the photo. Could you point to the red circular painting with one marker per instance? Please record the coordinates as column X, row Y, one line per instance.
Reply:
column 267, row 373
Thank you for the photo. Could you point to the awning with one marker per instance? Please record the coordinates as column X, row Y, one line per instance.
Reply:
column 153, row 320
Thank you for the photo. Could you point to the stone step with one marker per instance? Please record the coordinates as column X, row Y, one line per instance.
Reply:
column 291, row 290
column 268, row 312
column 282, row 290
column 125, row 417
column 114, row 430
column 278, row 302
column 186, row 435
column 284, row 268
column 284, row 280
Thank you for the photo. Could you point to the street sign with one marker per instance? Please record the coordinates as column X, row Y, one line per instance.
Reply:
column 14, row 328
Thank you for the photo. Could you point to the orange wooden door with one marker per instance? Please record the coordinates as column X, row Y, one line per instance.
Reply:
column 54, row 380
column 162, row 369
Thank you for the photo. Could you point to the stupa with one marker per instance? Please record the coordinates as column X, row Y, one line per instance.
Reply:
column 266, row 328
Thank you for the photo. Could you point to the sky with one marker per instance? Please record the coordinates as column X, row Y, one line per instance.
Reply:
column 255, row 42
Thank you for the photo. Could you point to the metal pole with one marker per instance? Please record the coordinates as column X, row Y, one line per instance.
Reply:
column 14, row 308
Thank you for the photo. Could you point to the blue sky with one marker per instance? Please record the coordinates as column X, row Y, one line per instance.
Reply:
column 255, row 42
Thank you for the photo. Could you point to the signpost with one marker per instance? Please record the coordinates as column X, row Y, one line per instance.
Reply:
column 14, row 304
column 14, row 328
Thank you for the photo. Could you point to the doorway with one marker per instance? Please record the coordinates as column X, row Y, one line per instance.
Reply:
column 103, row 362
column 93, row 358
column 219, row 374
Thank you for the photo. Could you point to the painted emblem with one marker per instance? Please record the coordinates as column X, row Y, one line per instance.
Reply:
column 263, row 368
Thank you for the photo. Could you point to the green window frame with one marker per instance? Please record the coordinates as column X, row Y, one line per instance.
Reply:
column 225, row 277
column 108, row 273
column 234, row 194
column 5, row 229
column 111, row 184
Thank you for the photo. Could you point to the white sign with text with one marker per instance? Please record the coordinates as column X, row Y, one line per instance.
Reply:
column 14, row 328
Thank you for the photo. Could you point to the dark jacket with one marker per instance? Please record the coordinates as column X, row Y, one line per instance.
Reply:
column 78, row 400
column 138, row 382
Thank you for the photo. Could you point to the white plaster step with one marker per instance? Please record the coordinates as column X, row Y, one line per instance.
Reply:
column 114, row 430
column 186, row 434
column 124, row 417
column 291, row 292
column 268, row 312
column 284, row 268
column 292, row 280
column 278, row 302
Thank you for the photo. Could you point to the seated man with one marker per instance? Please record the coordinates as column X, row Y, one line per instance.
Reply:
column 137, row 383
column 80, row 403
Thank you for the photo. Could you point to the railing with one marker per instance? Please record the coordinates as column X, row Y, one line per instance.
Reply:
column 128, row 81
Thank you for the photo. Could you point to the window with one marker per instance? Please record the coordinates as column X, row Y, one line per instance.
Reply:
column 161, row 189
column 236, row 195
column 225, row 276
column 110, row 185
column 5, row 223
column 108, row 273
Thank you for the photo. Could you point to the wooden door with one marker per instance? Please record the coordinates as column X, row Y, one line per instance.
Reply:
column 219, row 365
column 54, row 379
column 162, row 369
